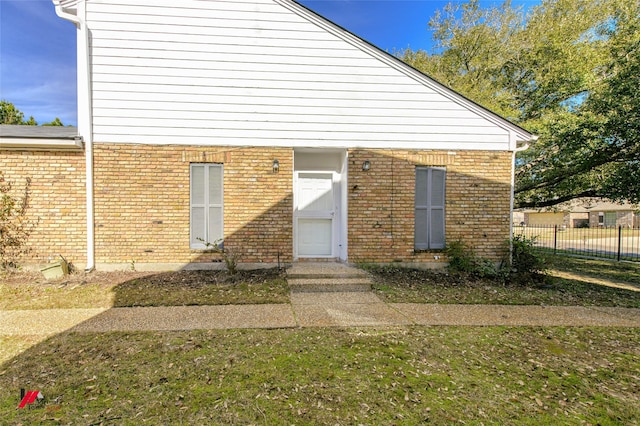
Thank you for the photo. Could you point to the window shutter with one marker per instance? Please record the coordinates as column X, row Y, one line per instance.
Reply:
column 198, row 222
column 421, row 209
column 429, row 208
column 436, row 216
column 215, row 203
column 206, row 203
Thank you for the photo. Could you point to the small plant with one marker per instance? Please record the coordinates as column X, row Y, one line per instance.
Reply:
column 463, row 259
column 229, row 256
column 15, row 226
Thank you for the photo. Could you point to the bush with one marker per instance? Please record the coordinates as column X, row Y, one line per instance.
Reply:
column 15, row 226
column 525, row 259
column 463, row 260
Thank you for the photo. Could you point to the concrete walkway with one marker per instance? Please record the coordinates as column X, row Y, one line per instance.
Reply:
column 362, row 309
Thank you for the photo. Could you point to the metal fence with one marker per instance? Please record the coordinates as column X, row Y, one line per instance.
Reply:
column 618, row 243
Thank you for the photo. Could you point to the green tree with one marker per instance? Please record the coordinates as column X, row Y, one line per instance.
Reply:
column 560, row 72
column 594, row 148
column 55, row 122
column 9, row 114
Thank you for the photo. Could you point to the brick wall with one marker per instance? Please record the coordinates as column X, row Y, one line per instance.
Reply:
column 142, row 203
column 57, row 201
column 381, row 203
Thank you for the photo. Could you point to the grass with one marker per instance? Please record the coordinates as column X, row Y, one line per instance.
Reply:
column 403, row 375
column 121, row 289
column 401, row 285
column 204, row 288
column 415, row 375
column 616, row 271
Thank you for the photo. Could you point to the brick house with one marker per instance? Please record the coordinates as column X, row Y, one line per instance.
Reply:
column 582, row 212
column 262, row 124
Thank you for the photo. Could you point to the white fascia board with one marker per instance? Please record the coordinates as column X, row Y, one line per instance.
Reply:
column 518, row 134
column 42, row 144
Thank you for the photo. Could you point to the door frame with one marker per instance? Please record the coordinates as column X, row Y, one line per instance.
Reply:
column 335, row 187
column 325, row 160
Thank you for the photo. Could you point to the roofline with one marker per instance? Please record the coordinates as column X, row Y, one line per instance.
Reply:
column 41, row 144
column 516, row 133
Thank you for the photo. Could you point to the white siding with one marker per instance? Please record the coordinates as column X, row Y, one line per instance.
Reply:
column 252, row 72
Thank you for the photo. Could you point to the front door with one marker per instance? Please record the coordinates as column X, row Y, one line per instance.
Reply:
column 314, row 214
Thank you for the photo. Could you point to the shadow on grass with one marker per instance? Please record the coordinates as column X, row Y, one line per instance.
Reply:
column 200, row 287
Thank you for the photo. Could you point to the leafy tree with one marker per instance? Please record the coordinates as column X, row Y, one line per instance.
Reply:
column 594, row 148
column 567, row 71
column 55, row 122
column 9, row 114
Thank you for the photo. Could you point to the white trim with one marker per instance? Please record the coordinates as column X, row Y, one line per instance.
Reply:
column 42, row 144
column 335, row 217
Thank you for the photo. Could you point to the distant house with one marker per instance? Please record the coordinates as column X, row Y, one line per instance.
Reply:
column 259, row 124
column 582, row 212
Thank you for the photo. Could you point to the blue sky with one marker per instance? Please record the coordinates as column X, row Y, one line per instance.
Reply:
column 38, row 49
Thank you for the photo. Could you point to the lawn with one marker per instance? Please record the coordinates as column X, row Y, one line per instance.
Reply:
column 392, row 284
column 412, row 375
column 403, row 375
column 401, row 285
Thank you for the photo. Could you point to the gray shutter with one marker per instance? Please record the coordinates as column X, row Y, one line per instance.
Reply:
column 436, row 209
column 421, row 231
column 198, row 225
column 429, row 208
column 215, row 203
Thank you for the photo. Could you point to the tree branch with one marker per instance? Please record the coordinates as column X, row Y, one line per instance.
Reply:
column 548, row 203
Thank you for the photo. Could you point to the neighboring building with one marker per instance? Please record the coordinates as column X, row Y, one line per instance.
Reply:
column 262, row 124
column 582, row 212
column 609, row 214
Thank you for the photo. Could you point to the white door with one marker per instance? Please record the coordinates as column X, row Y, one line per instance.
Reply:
column 314, row 214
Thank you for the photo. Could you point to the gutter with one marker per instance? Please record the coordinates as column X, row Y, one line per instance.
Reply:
column 85, row 125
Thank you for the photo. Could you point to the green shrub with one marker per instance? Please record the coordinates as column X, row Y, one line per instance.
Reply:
column 463, row 260
column 525, row 259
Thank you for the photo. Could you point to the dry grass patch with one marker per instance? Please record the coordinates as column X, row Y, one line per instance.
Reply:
column 107, row 289
column 29, row 290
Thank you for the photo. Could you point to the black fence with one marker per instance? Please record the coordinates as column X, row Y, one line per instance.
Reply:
column 618, row 243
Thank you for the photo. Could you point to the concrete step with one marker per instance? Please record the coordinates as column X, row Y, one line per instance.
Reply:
column 324, row 270
column 327, row 277
column 329, row 285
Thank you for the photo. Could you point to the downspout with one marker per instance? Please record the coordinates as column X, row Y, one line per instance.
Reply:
column 85, row 126
column 513, row 189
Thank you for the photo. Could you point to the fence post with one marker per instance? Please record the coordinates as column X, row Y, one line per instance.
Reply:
column 619, row 241
column 555, row 239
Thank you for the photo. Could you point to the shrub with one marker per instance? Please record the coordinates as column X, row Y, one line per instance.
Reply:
column 15, row 226
column 525, row 259
column 463, row 260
